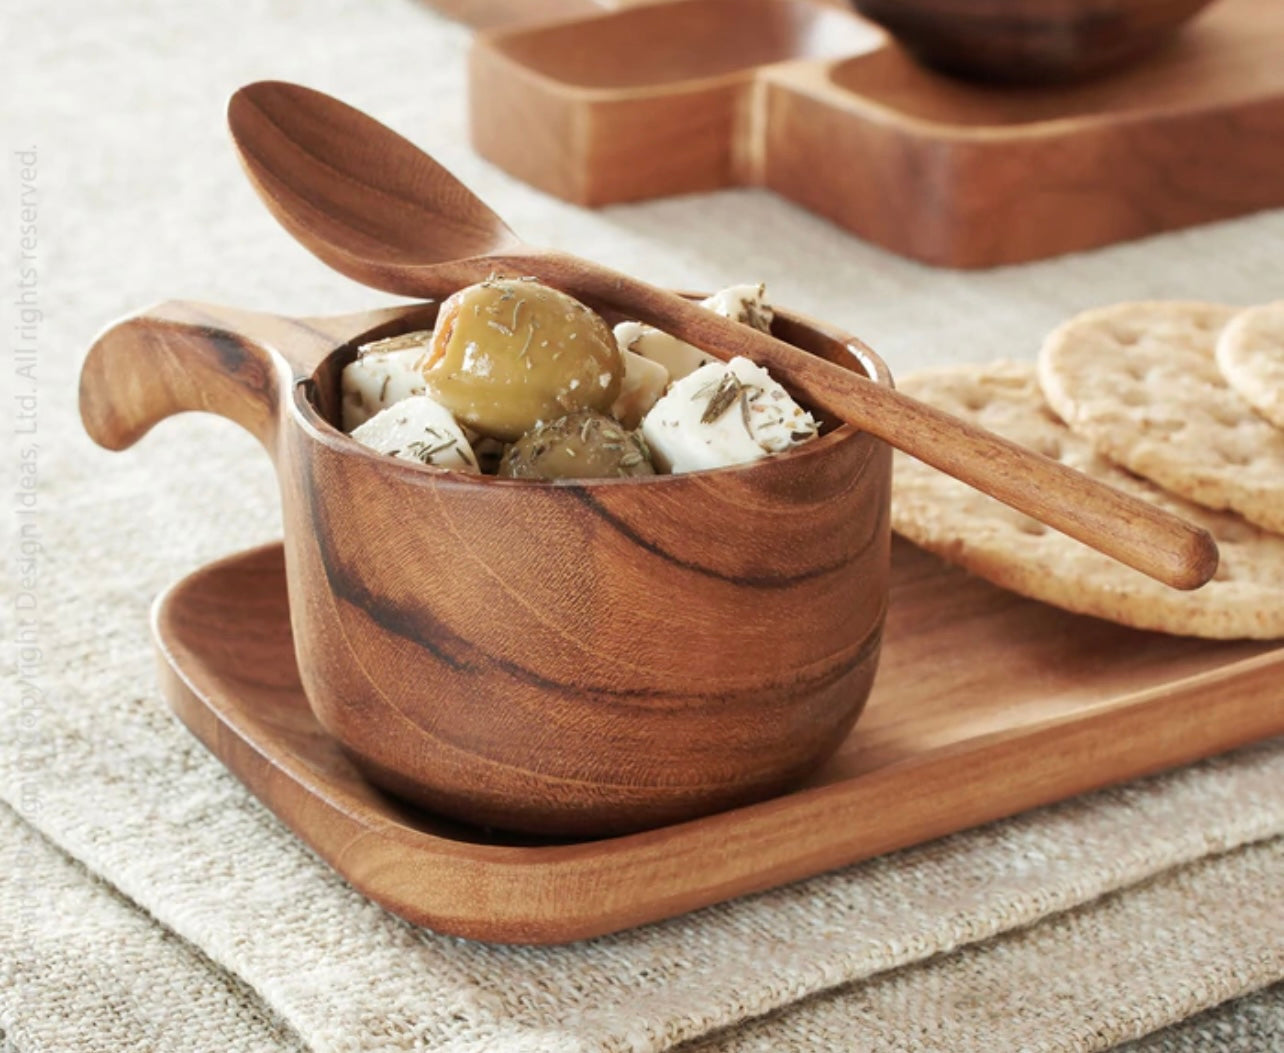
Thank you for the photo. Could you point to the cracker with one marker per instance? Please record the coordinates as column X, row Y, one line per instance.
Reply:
column 1141, row 382
column 964, row 526
column 1250, row 354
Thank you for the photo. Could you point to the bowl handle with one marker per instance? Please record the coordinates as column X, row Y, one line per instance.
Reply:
column 186, row 356
column 180, row 356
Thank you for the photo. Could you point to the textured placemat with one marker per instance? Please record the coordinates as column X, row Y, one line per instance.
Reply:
column 138, row 199
column 1080, row 981
column 85, row 969
column 1252, row 1024
column 90, row 957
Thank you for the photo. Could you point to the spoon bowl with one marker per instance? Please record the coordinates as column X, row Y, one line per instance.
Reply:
column 317, row 170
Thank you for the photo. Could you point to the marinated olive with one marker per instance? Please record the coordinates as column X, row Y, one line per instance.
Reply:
column 583, row 445
column 508, row 354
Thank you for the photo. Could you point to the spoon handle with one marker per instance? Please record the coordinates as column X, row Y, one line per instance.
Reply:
column 1143, row 536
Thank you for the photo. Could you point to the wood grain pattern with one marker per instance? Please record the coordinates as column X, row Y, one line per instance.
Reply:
column 986, row 704
column 931, row 167
column 373, row 206
column 572, row 658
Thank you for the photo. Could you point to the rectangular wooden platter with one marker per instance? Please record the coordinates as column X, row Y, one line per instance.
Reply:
column 821, row 106
column 986, row 704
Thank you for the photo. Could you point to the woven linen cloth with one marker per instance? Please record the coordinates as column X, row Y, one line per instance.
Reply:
column 94, row 972
column 1053, row 986
column 1253, row 1024
column 140, row 199
column 1207, row 940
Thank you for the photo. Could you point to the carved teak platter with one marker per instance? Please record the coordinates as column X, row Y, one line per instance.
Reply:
column 820, row 105
column 986, row 704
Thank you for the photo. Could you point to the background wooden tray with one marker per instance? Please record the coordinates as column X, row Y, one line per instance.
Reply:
column 820, row 105
column 986, row 704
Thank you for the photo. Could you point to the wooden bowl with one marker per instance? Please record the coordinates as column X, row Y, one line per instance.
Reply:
column 569, row 658
column 1029, row 41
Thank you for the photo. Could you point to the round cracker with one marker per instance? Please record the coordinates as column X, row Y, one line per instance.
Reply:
column 1250, row 354
column 964, row 526
column 1141, row 382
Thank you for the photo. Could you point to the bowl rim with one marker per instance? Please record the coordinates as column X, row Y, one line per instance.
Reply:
column 303, row 409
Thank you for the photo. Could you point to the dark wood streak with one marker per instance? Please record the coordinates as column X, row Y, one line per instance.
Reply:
column 444, row 644
column 750, row 581
column 344, row 584
column 422, row 628
column 243, row 360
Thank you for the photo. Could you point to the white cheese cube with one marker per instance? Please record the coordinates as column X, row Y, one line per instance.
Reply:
column 419, row 429
column 740, row 303
column 644, row 382
column 746, row 304
column 724, row 414
column 676, row 356
column 383, row 374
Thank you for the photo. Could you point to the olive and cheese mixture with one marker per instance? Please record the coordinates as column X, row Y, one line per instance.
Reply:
column 525, row 382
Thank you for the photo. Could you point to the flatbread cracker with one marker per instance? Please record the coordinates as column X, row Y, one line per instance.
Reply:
column 1141, row 382
column 1250, row 354
column 964, row 526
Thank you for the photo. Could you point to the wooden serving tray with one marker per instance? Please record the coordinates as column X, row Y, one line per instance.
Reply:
column 986, row 704
column 822, row 106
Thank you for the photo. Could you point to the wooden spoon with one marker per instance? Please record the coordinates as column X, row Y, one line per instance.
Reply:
column 373, row 206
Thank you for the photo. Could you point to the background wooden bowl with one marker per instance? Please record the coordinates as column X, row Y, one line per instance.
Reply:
column 1029, row 41
column 577, row 659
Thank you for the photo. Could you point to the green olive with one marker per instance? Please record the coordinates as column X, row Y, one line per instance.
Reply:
column 583, row 445
column 507, row 354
